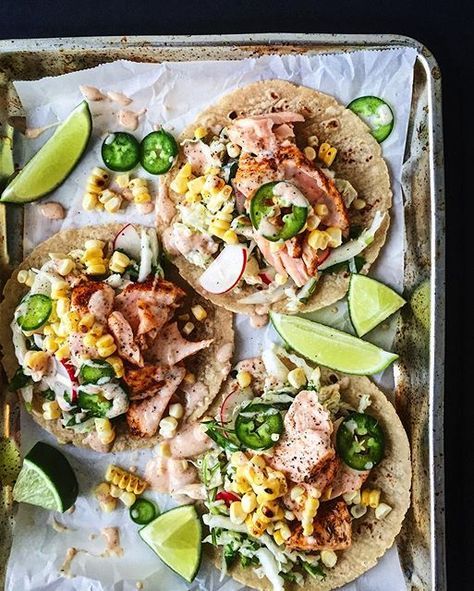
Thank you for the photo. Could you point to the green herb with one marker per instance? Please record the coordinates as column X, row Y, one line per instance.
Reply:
column 48, row 394
column 19, row 380
column 230, row 554
column 315, row 571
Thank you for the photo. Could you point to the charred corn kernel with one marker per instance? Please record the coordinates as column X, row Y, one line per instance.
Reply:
column 119, row 262
column 128, row 498
column 37, row 360
column 335, row 236
column 196, row 185
column 284, row 530
column 168, row 427
column 310, row 152
column 107, row 195
column 115, row 492
column 94, row 243
column 190, row 378
column 183, row 317
column 99, row 173
column 321, row 209
column 289, row 515
column 105, row 352
column 238, row 458
column 122, row 180
column 117, row 363
column 277, row 536
column 329, row 558
column 66, row 266
column 313, row 222
column 241, row 485
column 244, row 378
column 249, row 502
column 59, row 289
column 236, row 513
column 141, row 195
column 256, row 460
column 359, row 204
column 176, row 410
column 164, row 449
column 281, row 279
column 98, row 269
column 255, row 526
column 297, row 377
column 199, row 312
column 90, row 201
column 188, row 328
column 276, row 246
column 382, row 510
column 62, row 306
column 125, row 480
column 51, row 410
column 89, row 340
column 326, row 153
column 102, row 490
column 313, row 141
column 350, row 496
column 106, row 341
column 86, row 322
column 374, row 498
column 358, row 511
column 233, row 150
column 213, row 184
column 192, row 197
column 212, row 170
column 318, row 240
column 50, row 344
column 108, row 505
column 97, row 329
column 230, row 237
column 200, row 132
column 72, row 320
column 226, row 191
column 179, row 185
column 113, row 205
column 105, row 430
column 63, row 352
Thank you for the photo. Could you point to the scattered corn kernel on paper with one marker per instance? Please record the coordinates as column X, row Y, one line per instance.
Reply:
column 173, row 94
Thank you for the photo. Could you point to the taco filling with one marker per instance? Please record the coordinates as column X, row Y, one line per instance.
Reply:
column 104, row 342
column 255, row 209
column 286, row 481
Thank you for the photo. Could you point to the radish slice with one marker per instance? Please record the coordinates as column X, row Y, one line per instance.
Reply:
column 66, row 375
column 128, row 240
column 231, row 403
column 226, row 270
column 145, row 257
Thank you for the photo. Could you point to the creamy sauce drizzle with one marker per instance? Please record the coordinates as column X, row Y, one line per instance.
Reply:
column 119, row 97
column 91, row 93
column 65, row 569
column 52, row 210
column 258, row 320
column 112, row 540
column 130, row 119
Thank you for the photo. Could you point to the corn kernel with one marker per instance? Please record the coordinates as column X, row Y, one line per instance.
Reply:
column 230, row 237
column 212, row 170
column 213, row 184
column 359, row 204
column 59, row 289
column 196, row 185
column 277, row 536
column 168, row 427
column 119, row 262
column 62, row 306
column 105, row 352
column 296, row 493
column 313, row 141
column 108, row 505
column 113, row 205
column 89, row 340
column 382, row 510
column 63, row 352
column 257, row 460
column 327, row 154
column 188, row 328
column 284, row 530
column 374, row 498
column 51, row 410
column 226, row 191
column 117, row 363
column 115, row 491
column 329, row 558
column 281, row 279
column 105, row 341
column 318, row 240
column 249, row 502
column 358, row 511
column 37, row 360
column 313, row 222
column 321, row 209
column 289, row 515
column 86, row 322
column 142, row 196
column 200, row 132
column 96, row 270
column 310, row 152
column 276, row 246
column 105, row 430
column 66, row 266
column 22, row 276
column 164, row 449
column 199, row 312
column 179, row 185
column 50, row 344
column 221, row 224
column 190, row 378
column 176, row 410
column 335, row 236
column 244, row 378
column 236, row 513
column 192, row 197
column 102, row 490
column 233, row 150
column 128, row 498
column 297, row 377
column 238, row 458
column 94, row 243
column 215, row 231
column 122, row 180
column 97, row 329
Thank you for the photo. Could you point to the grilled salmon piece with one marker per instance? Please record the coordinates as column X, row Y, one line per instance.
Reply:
column 149, row 379
column 123, row 335
column 143, row 417
column 93, row 297
column 170, row 347
column 346, row 480
column 149, row 305
column 332, row 530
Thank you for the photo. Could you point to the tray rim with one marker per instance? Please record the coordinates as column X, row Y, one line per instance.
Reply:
column 349, row 42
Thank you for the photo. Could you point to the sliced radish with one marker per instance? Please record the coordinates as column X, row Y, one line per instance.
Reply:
column 226, row 270
column 231, row 403
column 265, row 278
column 227, row 496
column 67, row 375
column 128, row 240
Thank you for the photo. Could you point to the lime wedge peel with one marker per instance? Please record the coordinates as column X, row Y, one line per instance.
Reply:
column 331, row 347
column 370, row 303
column 55, row 160
column 176, row 537
column 34, row 487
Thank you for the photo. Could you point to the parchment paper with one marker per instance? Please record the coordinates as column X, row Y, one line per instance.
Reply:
column 173, row 94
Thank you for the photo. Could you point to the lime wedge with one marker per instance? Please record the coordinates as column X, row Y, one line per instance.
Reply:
column 175, row 536
column 370, row 303
column 51, row 165
column 420, row 303
column 331, row 347
column 46, row 479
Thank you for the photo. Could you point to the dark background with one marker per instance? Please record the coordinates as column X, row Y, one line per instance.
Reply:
column 444, row 27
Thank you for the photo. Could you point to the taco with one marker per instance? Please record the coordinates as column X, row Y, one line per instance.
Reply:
column 278, row 192
column 310, row 479
column 103, row 343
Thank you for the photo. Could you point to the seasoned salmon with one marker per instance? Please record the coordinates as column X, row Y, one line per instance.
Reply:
column 149, row 305
column 143, row 417
column 170, row 347
column 306, row 446
column 346, row 480
column 149, row 379
column 93, row 297
column 123, row 335
column 332, row 530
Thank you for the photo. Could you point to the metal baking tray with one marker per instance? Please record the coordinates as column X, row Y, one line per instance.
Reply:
column 419, row 375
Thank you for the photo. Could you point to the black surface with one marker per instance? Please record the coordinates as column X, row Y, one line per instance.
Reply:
column 444, row 27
